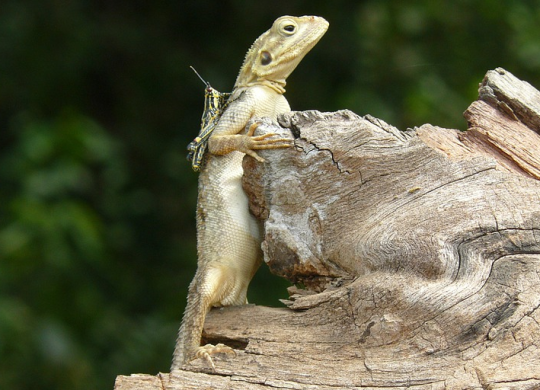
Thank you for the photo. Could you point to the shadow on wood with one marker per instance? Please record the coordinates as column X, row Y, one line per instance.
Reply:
column 419, row 252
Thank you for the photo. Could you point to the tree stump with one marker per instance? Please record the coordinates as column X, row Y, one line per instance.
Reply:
column 418, row 254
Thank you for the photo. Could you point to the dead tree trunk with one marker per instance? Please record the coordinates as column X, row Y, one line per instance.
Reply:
column 419, row 252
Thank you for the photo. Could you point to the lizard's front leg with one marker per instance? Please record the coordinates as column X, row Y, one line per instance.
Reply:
column 247, row 143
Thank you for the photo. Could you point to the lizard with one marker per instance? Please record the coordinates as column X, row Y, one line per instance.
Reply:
column 228, row 236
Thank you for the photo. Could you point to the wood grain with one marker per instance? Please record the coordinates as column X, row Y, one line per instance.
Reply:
column 418, row 253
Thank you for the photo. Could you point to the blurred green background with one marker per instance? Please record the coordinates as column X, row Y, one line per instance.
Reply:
column 97, row 105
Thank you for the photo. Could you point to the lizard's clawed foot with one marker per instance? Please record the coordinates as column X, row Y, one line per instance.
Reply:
column 261, row 142
column 206, row 351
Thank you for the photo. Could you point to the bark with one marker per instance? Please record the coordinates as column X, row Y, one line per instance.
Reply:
column 418, row 252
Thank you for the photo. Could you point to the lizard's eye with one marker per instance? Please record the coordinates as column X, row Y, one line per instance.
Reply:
column 290, row 28
column 266, row 58
column 287, row 26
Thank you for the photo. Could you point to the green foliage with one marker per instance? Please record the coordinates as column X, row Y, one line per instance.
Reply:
column 70, row 315
column 97, row 105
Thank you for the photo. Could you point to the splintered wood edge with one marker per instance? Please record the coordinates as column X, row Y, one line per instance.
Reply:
column 503, row 124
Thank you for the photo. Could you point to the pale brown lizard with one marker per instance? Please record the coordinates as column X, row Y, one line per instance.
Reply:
column 228, row 236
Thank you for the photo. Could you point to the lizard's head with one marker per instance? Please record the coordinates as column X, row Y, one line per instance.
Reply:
column 277, row 52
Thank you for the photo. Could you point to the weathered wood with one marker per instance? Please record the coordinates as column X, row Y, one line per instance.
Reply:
column 419, row 251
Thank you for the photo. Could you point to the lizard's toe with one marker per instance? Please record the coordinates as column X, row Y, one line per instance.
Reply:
column 208, row 350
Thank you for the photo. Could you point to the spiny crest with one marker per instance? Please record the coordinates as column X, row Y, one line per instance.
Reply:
column 249, row 60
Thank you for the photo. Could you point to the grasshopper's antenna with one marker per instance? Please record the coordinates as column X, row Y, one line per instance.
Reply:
column 197, row 73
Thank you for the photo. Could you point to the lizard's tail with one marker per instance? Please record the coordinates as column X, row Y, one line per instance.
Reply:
column 189, row 334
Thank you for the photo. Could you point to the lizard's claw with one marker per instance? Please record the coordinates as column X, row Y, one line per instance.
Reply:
column 206, row 351
column 261, row 142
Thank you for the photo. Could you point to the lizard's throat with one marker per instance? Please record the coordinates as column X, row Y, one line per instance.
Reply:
column 278, row 86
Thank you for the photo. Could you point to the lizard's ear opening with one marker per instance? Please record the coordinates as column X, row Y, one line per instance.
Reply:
column 266, row 58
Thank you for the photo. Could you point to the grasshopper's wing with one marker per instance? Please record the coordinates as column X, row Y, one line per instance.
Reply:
column 215, row 103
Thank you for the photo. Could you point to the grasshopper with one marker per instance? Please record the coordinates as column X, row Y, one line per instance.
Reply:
column 215, row 103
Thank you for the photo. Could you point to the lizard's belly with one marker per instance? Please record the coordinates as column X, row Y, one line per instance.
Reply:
column 227, row 231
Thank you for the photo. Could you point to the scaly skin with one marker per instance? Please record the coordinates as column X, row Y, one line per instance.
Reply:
column 228, row 236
